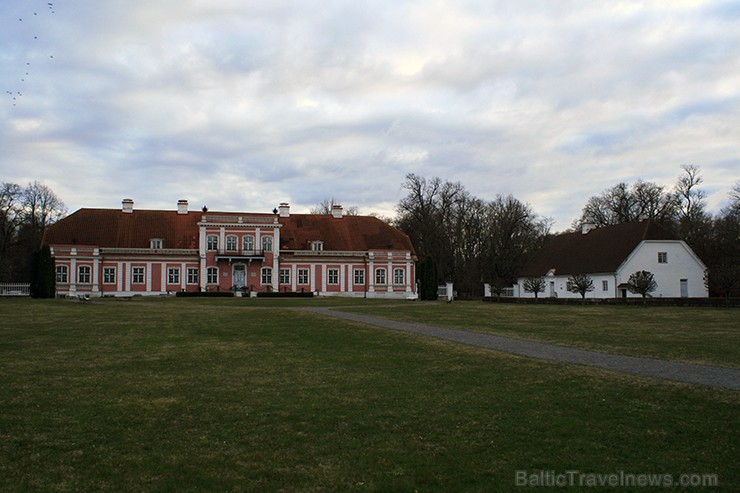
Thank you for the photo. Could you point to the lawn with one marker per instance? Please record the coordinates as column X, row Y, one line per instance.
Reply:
column 245, row 395
column 690, row 334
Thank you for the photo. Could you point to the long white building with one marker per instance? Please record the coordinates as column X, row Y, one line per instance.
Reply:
column 609, row 255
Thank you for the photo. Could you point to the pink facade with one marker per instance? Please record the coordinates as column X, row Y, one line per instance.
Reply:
column 162, row 252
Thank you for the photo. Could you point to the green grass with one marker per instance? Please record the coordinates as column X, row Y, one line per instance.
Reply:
column 690, row 334
column 223, row 395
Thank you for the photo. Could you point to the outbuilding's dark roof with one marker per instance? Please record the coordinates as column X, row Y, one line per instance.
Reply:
column 601, row 250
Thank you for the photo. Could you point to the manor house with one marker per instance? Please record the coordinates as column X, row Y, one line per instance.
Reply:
column 125, row 252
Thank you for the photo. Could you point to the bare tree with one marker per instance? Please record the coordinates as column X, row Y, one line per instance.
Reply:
column 581, row 284
column 470, row 240
column 534, row 285
column 723, row 249
column 428, row 214
column 41, row 208
column 622, row 203
column 326, row 205
column 642, row 282
column 690, row 198
column 25, row 213
column 10, row 219
column 694, row 223
column 734, row 207
column 512, row 233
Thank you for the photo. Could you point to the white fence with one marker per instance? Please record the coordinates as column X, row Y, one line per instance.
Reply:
column 15, row 289
column 505, row 292
column 445, row 292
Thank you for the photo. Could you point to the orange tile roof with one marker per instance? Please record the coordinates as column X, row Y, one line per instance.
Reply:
column 350, row 233
column 112, row 228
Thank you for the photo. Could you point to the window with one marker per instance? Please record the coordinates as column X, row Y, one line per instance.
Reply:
column 248, row 243
column 61, row 273
column 333, row 276
column 109, row 275
column 359, row 276
column 267, row 243
column 317, row 246
column 83, row 274
column 302, row 276
column 662, row 257
column 399, row 276
column 266, row 275
column 173, row 275
column 156, row 243
column 379, row 276
column 137, row 275
column 231, row 243
column 212, row 275
column 605, row 285
column 212, row 242
column 284, row 276
column 192, row 276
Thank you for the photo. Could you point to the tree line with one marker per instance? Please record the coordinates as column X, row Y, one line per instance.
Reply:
column 468, row 240
column 471, row 241
column 459, row 237
column 25, row 213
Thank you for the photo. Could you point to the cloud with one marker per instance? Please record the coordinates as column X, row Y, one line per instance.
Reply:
column 244, row 105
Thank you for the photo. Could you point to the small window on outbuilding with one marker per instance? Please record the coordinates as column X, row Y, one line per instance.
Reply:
column 662, row 257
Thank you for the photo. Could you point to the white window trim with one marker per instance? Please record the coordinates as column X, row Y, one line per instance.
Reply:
column 106, row 272
column 62, row 274
column 266, row 276
column 87, row 273
column 135, row 273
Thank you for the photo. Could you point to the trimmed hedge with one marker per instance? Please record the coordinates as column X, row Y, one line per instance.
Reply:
column 720, row 302
column 286, row 294
column 199, row 294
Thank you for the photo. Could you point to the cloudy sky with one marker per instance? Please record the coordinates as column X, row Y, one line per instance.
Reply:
column 240, row 105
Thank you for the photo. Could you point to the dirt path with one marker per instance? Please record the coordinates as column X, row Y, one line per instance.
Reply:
column 714, row 376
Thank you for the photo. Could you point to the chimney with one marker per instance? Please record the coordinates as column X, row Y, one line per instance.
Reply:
column 586, row 227
column 127, row 206
column 182, row 206
column 336, row 211
column 284, row 209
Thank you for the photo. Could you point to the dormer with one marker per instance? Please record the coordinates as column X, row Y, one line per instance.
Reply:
column 156, row 243
column 317, row 246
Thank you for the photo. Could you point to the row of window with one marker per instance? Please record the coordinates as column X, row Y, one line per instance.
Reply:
column 232, row 242
column 138, row 275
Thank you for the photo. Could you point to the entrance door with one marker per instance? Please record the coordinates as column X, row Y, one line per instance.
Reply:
column 684, row 288
column 240, row 276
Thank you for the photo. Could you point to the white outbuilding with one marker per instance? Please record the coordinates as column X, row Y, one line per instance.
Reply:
column 609, row 255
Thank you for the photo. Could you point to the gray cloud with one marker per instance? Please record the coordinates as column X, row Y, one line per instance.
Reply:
column 241, row 106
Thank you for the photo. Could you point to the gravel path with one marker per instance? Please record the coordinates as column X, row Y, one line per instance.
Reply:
column 669, row 370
